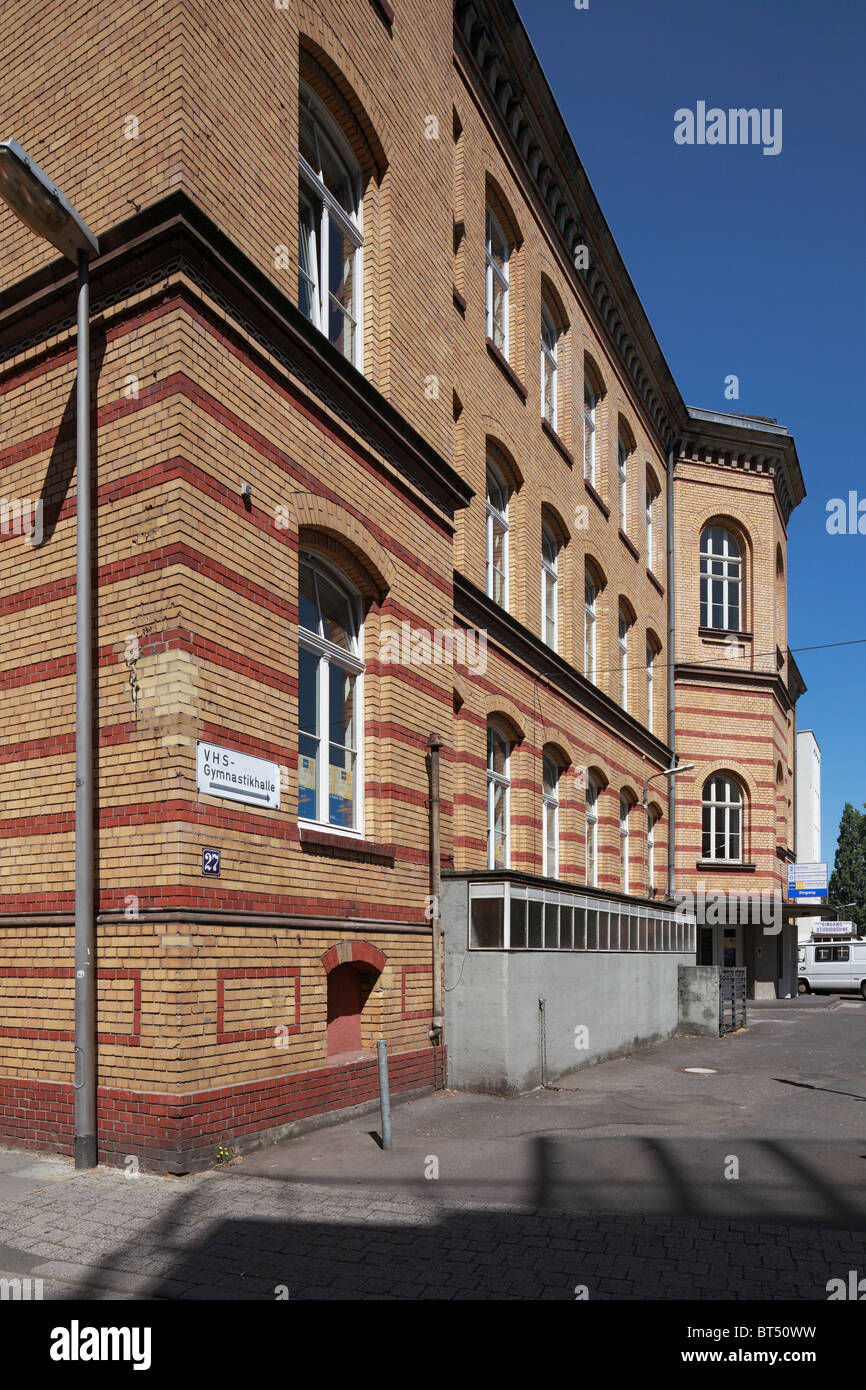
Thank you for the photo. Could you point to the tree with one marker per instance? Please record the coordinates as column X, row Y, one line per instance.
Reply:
column 848, row 879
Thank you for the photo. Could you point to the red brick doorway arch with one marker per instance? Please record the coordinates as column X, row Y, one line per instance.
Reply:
column 352, row 968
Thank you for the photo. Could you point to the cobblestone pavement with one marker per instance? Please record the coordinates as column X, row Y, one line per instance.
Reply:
column 615, row 1183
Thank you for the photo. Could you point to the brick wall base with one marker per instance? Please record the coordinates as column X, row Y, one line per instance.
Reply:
column 181, row 1133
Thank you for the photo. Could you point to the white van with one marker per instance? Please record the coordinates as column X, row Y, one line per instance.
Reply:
column 839, row 966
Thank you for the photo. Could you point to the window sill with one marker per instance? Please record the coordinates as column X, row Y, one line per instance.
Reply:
column 557, row 442
column 723, row 633
column 326, row 842
column 506, row 368
column 652, row 579
column 629, row 545
column 731, row 866
column 596, row 499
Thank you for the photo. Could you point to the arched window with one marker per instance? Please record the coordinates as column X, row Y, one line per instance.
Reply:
column 722, row 821
column 652, row 819
column 497, row 535
column 624, row 812
column 623, row 449
column 550, row 817
column 497, row 284
column 592, row 791
column 549, row 336
column 651, row 654
column 625, row 622
column 329, row 230
column 549, row 583
column 329, row 680
column 721, row 580
column 590, row 598
column 498, row 797
column 590, row 406
column 652, row 492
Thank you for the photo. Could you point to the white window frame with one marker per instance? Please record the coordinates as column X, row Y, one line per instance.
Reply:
column 623, row 454
column 549, row 359
column 494, row 780
column 589, row 431
column 721, row 811
column 493, row 272
column 731, row 560
column 624, row 813
column 651, row 655
column 329, row 654
column 496, row 517
column 590, row 625
column 592, row 795
column 623, row 627
column 312, row 190
column 652, row 819
column 550, row 818
column 549, row 581
column 651, row 495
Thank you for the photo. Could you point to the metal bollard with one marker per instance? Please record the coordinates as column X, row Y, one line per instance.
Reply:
column 384, row 1092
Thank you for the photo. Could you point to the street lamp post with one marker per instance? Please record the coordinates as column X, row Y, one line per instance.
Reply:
column 667, row 772
column 42, row 207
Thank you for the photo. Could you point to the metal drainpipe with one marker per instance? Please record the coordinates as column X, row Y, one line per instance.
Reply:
column 672, row 709
column 434, row 743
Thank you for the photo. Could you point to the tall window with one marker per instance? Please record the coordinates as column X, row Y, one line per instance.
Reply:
column 622, row 473
column 550, row 818
column 497, row 536
column 650, row 684
column 652, row 493
column 651, row 850
column 497, row 284
column 549, row 583
column 548, row 367
column 592, row 790
column 624, row 625
column 721, row 579
column 329, row 232
column 329, row 672
column 590, row 597
column 624, row 809
column 722, row 819
column 498, row 797
column 590, row 404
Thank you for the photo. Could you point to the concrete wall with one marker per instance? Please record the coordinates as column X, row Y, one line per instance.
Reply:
column 699, row 999
column 494, row 1025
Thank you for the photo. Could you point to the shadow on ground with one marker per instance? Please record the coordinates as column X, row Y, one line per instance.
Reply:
column 621, row 1219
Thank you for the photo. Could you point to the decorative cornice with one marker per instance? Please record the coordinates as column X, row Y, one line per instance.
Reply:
column 728, row 675
column 748, row 444
column 492, row 37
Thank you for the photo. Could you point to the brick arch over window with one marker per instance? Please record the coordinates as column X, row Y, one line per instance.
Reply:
column 354, row 952
column 498, row 709
column 502, row 211
column 330, row 528
column 554, row 304
column 328, row 70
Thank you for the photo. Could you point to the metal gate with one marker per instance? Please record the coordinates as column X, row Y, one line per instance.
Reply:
column 732, row 999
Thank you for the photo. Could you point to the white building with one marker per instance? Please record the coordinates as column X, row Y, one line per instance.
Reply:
column 807, row 803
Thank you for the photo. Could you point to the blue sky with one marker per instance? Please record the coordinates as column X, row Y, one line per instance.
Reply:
column 749, row 264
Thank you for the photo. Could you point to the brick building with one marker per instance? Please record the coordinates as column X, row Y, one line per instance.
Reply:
column 382, row 443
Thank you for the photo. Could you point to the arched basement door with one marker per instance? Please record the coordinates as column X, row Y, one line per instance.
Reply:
column 344, row 1010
